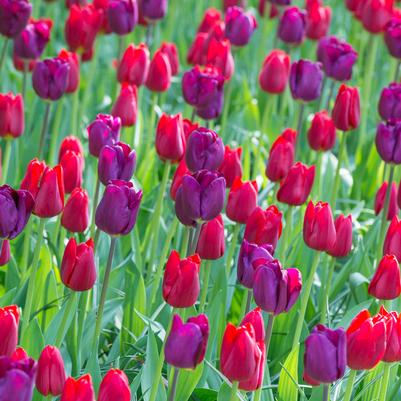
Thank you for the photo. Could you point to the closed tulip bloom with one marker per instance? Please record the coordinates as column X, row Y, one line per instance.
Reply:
column 153, row 10
column 264, row 226
column 388, row 141
column 231, row 3
column 231, row 166
column 210, row 17
column 352, row 5
column 12, row 121
column 380, row 199
column 343, row 244
column 189, row 127
column 181, row 280
column 281, row 156
column 296, row 187
column 114, row 386
column 180, row 172
column 346, row 113
column 22, row 65
column 197, row 50
column 159, row 75
column 292, row 25
column 80, row 389
column 392, row 37
column 118, row 209
column 31, row 42
column 78, row 269
column 366, row 341
column 273, row 77
column 390, row 102
column 14, row 15
column 211, row 243
column 393, row 336
column 5, row 252
column 239, row 26
column 319, row 230
column 75, row 217
column 250, row 257
column 325, row 355
column 392, row 242
column 170, row 138
column 322, row 132
column 72, row 164
column 375, row 14
column 219, row 56
column 281, row 2
column 171, row 51
column 134, row 65
column 105, row 130
column 9, row 319
column 50, row 376
column 116, row 162
column 70, row 143
column 73, row 73
column 122, row 15
column 242, row 200
column 19, row 354
column 126, row 105
column 306, row 80
column 318, row 19
column 255, row 318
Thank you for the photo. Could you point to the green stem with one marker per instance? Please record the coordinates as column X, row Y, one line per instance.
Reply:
column 82, row 308
column 6, row 159
column 94, row 206
column 350, row 385
column 185, row 240
column 26, row 245
column 56, row 129
column 44, row 130
column 233, row 392
column 385, row 380
column 205, row 285
column 173, row 388
column 324, row 83
column 299, row 127
column 397, row 71
column 24, row 78
column 231, row 249
column 341, row 152
column 326, row 392
column 284, row 239
column 324, row 300
column 68, row 309
column 3, row 53
column 331, row 92
column 227, row 101
column 74, row 113
column 193, row 244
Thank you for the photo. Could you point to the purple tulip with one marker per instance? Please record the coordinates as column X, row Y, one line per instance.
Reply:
column 15, row 210
column 239, row 26
column 17, row 379
column 281, row 2
column 292, row 26
column 117, row 211
column 200, row 197
column 325, row 355
column 105, row 130
column 50, row 78
column 276, row 290
column 306, row 80
column 122, row 16
column 390, row 102
column 337, row 58
column 116, row 162
column 153, row 9
column 186, row 342
column 204, row 150
column 14, row 15
column 392, row 37
column 250, row 257
column 388, row 141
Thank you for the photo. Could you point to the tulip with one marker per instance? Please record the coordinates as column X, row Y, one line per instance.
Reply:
column 219, row 56
column 375, row 14
column 242, row 200
column 239, row 26
column 12, row 119
column 297, row 185
column 231, row 3
column 255, row 318
column 122, row 15
column 72, row 164
column 393, row 336
column 392, row 37
column 281, row 2
column 80, row 389
column 318, row 19
column 181, row 171
column 216, row 33
column 170, row 138
column 19, row 354
column 380, row 199
column 117, row 211
column 366, row 341
column 126, row 105
column 352, row 5
column 211, row 242
column 70, row 143
column 50, row 377
column 306, row 80
column 181, row 280
column 196, row 52
column 15, row 209
column 292, row 25
column 69, row 3
column 322, row 132
column 154, row 9
column 231, row 166
column 23, row 65
column 73, row 73
column 105, row 130
column 388, row 143
column 346, row 111
column 200, row 197
column 390, row 102
column 189, row 127
column 114, row 386
column 210, row 17
column 134, row 65
column 5, row 252
column 75, row 217
column 281, row 156
column 14, row 16
column 342, row 246
column 101, row 6
column 171, row 51
column 325, row 355
column 205, row 150
column 264, row 226
column 116, row 162
column 392, row 242
column 9, row 319
column 159, row 75
column 273, row 77
column 250, row 257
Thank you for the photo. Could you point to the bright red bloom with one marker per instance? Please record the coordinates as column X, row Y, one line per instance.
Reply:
column 189, row 127
column 322, row 132
column 12, row 121
column 242, row 200
column 343, row 244
column 231, row 166
column 380, row 199
column 9, row 319
column 219, row 56
column 375, row 14
column 80, row 389
column 134, row 65
column 72, row 164
column 171, row 51
column 346, row 113
column 5, row 253
column 196, row 52
column 211, row 243
column 73, row 73
column 318, row 19
column 159, row 76
column 393, row 336
column 70, row 143
column 126, row 105
column 210, row 17
column 75, row 217
column 392, row 242
column 182, row 170
column 273, row 77
column 114, row 386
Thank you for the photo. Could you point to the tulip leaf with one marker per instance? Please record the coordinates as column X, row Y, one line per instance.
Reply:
column 204, row 394
column 372, row 383
column 287, row 385
column 187, row 381
column 33, row 341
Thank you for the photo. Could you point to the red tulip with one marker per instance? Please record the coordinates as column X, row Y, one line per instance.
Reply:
column 70, row 143
column 182, row 170
column 5, row 252
column 75, row 217
column 73, row 73
column 126, row 105
column 318, row 18
column 342, row 246
column 392, row 242
column 210, row 17
column 114, row 386
column 273, row 77
column 346, row 112
column 380, row 199
column 375, row 14
column 12, row 122
column 189, row 127
column 159, row 76
column 322, row 132
column 72, row 165
column 9, row 319
column 211, row 243
column 134, row 65
column 196, row 52
column 231, row 166
column 170, row 50
column 242, row 200
column 78, row 389
column 19, row 354
column 219, row 56
column 393, row 336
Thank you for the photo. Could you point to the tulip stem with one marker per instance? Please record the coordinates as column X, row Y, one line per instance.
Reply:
column 305, row 299
column 68, row 310
column 74, row 113
column 6, row 159
column 350, row 385
column 336, row 184
column 173, row 388
column 55, row 129
column 44, row 130
column 324, row 300
column 82, row 308
column 299, row 127
column 397, row 71
column 24, row 78
column 286, row 233
column 185, row 240
column 3, row 53
column 103, row 295
column 95, row 202
column 193, row 244
column 318, row 177
column 331, row 92
column 205, row 285
column 233, row 392
column 326, row 392
column 231, row 249
column 385, row 380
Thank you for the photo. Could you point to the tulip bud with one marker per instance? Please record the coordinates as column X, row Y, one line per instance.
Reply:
column 114, row 386
column 239, row 26
column 118, row 209
column 14, row 16
column 322, row 132
column 80, row 389
column 75, row 217
column 264, row 226
column 388, row 141
column 392, row 37
column 70, row 143
column 226, row 4
column 297, row 185
column 306, row 79
column 196, row 52
column 19, row 354
column 374, row 14
column 255, row 318
column 390, row 102
column 292, row 25
column 189, row 127
column 153, row 10
column 22, row 65
column 219, row 56
column 134, row 65
column 73, row 73
column 182, row 170
column 343, row 244
column 318, row 19
column 352, row 5
column 346, row 113
column 9, row 319
column 325, row 355
column 122, row 15
column 231, row 166
column 50, row 377
column 211, row 243
column 273, row 77
column 78, row 269
column 11, row 115
column 171, row 51
column 126, row 105
column 159, row 75
column 181, row 280
column 210, row 17
column 5, row 252
column 72, row 165
column 380, row 199
column 105, row 130
column 242, row 200
column 392, row 242
column 393, row 336
column 281, row 156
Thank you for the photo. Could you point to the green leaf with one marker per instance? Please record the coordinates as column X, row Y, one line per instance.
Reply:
column 287, row 384
column 33, row 341
column 372, row 384
column 187, row 381
column 204, row 394
column 224, row 393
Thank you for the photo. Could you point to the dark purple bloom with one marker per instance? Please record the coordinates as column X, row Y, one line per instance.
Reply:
column 390, row 102
column 392, row 37
column 186, row 342
column 306, row 80
column 105, row 130
column 239, row 26
column 292, row 26
column 281, row 2
column 153, row 9
column 14, row 15
column 122, row 16
column 388, row 141
column 200, row 197
column 117, row 211
column 116, row 162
